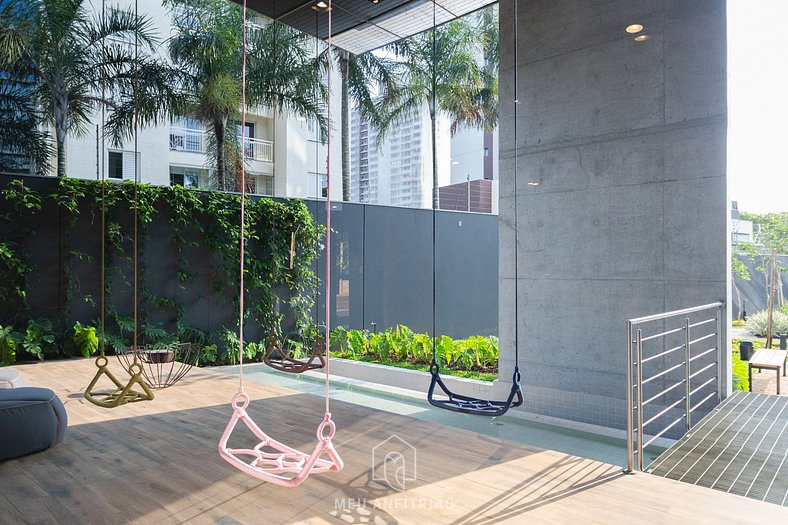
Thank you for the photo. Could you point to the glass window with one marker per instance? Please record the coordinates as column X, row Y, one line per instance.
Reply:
column 186, row 177
column 115, row 169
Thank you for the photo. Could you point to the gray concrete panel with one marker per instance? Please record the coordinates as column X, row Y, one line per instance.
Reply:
column 466, row 257
column 626, row 141
column 398, row 262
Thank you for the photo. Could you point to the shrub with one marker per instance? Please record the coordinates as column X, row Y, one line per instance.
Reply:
column 401, row 344
column 8, row 343
column 757, row 323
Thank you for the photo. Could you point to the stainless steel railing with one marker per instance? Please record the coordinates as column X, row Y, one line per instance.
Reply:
column 693, row 357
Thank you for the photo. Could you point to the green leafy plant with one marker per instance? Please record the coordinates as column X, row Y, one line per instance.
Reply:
column 8, row 343
column 21, row 203
column 401, row 346
column 39, row 339
column 209, row 354
column 85, row 339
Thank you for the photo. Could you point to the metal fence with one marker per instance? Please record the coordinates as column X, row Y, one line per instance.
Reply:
column 676, row 375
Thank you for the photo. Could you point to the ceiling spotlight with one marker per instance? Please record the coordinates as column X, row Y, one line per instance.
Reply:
column 641, row 38
column 321, row 6
column 634, row 28
column 375, row 1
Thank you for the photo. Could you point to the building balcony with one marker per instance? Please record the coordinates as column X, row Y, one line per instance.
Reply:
column 194, row 141
column 190, row 140
column 258, row 149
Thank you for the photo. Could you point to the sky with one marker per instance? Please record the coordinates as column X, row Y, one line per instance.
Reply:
column 758, row 105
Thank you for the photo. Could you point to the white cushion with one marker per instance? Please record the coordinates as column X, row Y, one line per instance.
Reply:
column 11, row 379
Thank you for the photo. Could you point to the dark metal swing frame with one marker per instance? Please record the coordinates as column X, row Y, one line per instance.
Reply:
column 278, row 358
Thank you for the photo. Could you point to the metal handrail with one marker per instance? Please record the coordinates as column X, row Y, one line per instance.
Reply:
column 635, row 375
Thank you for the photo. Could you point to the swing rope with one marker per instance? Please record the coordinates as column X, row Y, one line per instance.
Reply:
column 121, row 394
column 516, row 373
column 458, row 402
column 272, row 460
column 279, row 353
column 328, row 215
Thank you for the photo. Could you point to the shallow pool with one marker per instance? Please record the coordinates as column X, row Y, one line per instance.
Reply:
column 568, row 440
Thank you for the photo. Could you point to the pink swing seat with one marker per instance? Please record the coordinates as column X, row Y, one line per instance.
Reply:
column 275, row 462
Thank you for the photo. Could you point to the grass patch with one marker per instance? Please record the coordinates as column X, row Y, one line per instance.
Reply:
column 737, row 323
column 740, row 373
column 741, row 379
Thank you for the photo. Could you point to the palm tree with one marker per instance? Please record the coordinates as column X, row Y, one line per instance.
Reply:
column 281, row 74
column 372, row 82
column 79, row 63
column 443, row 71
column 23, row 147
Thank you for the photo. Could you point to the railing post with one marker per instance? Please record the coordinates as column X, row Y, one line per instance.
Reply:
column 630, row 415
column 640, row 397
column 719, row 355
column 687, row 354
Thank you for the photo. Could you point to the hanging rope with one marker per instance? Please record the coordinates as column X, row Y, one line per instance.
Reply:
column 121, row 394
column 516, row 373
column 285, row 465
column 328, row 219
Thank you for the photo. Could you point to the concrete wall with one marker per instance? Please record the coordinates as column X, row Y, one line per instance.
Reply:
column 627, row 143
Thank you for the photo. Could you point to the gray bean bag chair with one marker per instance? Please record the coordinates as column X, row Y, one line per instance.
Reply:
column 31, row 419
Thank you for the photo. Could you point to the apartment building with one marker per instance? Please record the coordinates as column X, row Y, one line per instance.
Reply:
column 283, row 153
column 398, row 172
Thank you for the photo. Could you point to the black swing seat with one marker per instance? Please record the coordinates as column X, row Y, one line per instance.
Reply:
column 278, row 357
column 472, row 405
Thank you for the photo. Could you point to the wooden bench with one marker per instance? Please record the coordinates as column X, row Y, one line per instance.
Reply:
column 770, row 359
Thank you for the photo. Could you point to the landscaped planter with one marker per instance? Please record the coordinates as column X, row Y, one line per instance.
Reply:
column 415, row 379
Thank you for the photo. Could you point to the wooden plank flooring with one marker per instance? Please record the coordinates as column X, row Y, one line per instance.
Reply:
column 156, row 462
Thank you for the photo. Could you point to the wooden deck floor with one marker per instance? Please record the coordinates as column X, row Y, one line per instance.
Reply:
column 156, row 462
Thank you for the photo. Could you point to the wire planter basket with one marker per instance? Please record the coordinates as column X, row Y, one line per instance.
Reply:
column 162, row 365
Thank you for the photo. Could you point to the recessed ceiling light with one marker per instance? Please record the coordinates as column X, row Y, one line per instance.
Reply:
column 321, row 6
column 641, row 38
column 533, row 184
column 634, row 28
column 455, row 162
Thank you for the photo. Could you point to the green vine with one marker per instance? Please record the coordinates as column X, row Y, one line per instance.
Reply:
column 21, row 204
column 196, row 222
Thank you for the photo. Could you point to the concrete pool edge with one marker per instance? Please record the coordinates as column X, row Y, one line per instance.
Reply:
column 420, row 380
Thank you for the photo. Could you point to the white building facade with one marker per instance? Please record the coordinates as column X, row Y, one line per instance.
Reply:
column 283, row 154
